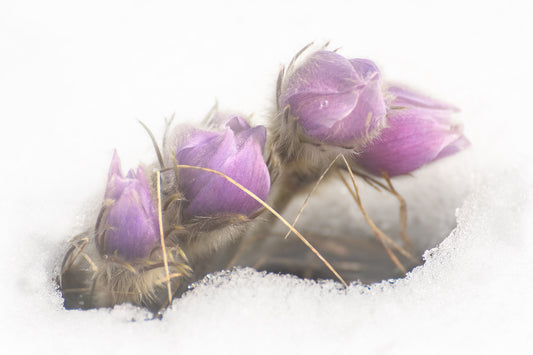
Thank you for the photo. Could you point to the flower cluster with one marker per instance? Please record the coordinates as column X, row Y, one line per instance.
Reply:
column 156, row 222
column 199, row 210
column 130, row 227
column 334, row 104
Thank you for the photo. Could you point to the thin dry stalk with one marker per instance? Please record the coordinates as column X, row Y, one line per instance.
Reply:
column 162, row 235
column 154, row 142
column 69, row 259
column 379, row 234
column 382, row 237
column 403, row 205
column 379, row 186
column 403, row 213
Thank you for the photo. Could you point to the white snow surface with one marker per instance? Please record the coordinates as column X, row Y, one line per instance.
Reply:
column 74, row 78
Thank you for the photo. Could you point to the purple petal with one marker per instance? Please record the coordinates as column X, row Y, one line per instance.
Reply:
column 336, row 100
column 456, row 146
column 114, row 168
column 236, row 152
column 229, row 198
column 147, row 202
column 367, row 117
column 237, row 124
column 411, row 141
column 243, row 132
column 366, row 69
column 352, row 115
column 130, row 226
column 404, row 97
column 186, row 136
column 209, row 154
column 115, row 179
column 318, row 113
column 132, row 232
column 323, row 72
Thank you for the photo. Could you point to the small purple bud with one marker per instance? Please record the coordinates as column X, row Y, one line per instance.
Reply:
column 336, row 100
column 131, row 224
column 237, row 151
column 419, row 131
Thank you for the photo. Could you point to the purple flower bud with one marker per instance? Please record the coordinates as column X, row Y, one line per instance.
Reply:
column 131, row 224
column 237, row 151
column 336, row 100
column 419, row 131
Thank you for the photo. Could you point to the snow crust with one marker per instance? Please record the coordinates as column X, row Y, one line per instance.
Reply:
column 75, row 79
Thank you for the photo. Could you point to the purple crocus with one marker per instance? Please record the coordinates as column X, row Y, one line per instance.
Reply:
column 335, row 100
column 130, row 225
column 419, row 131
column 235, row 150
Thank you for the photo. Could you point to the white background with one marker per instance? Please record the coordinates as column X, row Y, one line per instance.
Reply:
column 75, row 77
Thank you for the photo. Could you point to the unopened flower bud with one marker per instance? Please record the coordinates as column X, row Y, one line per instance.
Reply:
column 419, row 131
column 236, row 151
column 335, row 100
column 130, row 226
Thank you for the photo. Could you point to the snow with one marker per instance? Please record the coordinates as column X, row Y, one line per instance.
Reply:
column 75, row 78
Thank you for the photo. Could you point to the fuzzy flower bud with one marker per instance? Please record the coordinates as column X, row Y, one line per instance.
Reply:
column 130, row 225
column 419, row 131
column 335, row 100
column 237, row 151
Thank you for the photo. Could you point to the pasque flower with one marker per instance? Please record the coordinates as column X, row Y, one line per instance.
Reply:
column 419, row 131
column 235, row 149
column 131, row 224
column 335, row 100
